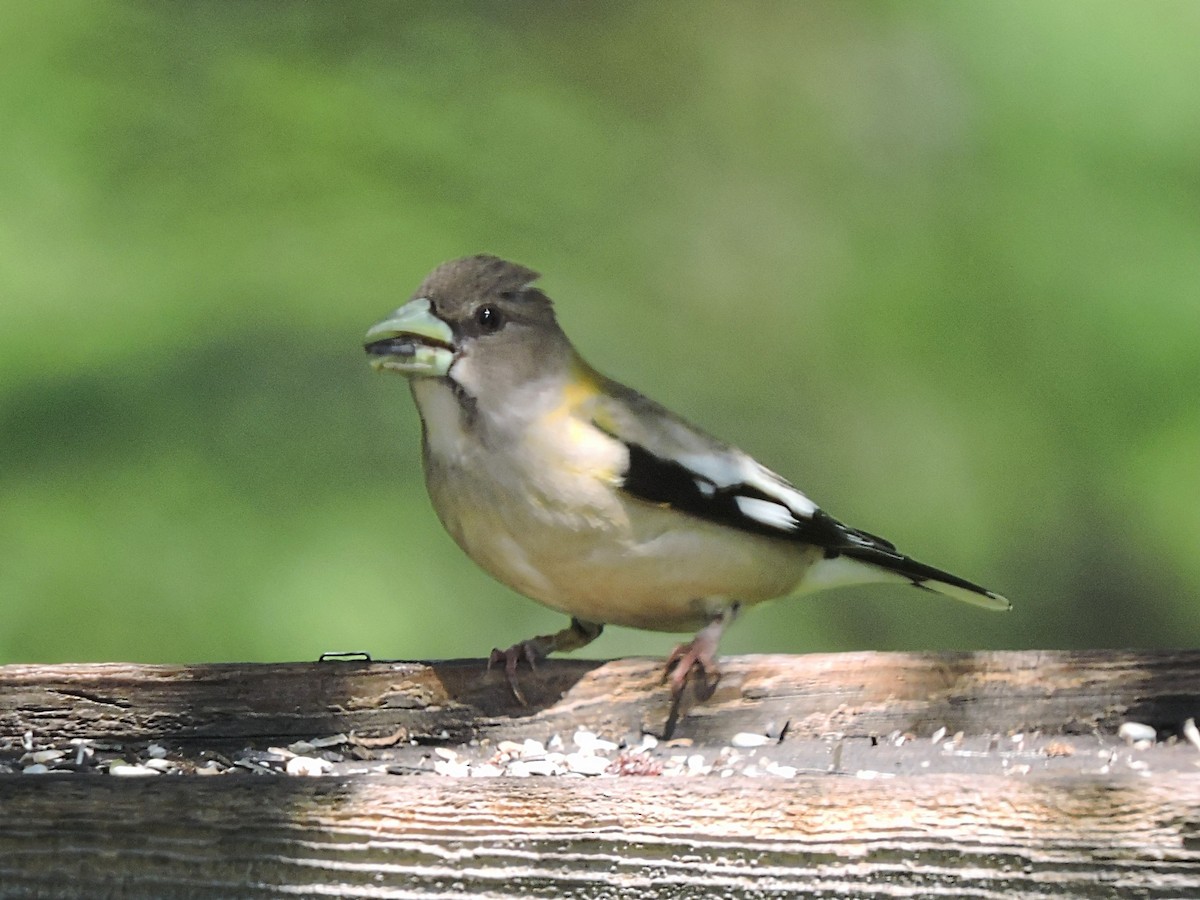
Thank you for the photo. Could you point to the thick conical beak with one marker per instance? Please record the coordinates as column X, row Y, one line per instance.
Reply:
column 412, row 341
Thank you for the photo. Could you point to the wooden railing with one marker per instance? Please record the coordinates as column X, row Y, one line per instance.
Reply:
column 897, row 775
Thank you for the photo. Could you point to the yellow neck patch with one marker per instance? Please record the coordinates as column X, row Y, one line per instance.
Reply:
column 582, row 386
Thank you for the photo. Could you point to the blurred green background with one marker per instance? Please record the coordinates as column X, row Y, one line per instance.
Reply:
column 937, row 263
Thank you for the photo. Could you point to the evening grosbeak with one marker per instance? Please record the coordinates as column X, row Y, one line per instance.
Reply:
column 583, row 495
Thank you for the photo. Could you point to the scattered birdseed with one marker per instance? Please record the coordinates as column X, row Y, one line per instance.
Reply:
column 630, row 762
column 43, row 756
column 124, row 770
column 1192, row 733
column 307, row 766
column 696, row 766
column 746, row 739
column 452, row 768
column 531, row 749
column 541, row 766
column 589, row 742
column 1136, row 732
column 587, row 753
column 516, row 768
column 587, row 764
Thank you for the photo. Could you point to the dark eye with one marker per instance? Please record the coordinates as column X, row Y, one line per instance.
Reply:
column 489, row 319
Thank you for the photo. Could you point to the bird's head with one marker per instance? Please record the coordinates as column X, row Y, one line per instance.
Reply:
column 475, row 320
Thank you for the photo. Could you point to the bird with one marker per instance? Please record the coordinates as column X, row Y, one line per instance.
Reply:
column 594, row 500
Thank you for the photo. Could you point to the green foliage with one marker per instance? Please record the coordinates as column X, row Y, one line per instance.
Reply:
column 958, row 241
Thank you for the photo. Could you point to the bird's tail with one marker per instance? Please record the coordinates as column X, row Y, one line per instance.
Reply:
column 880, row 563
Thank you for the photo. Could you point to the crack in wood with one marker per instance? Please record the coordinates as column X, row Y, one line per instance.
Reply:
column 91, row 698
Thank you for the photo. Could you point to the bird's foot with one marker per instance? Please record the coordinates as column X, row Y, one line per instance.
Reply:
column 529, row 651
column 578, row 634
column 695, row 655
column 700, row 653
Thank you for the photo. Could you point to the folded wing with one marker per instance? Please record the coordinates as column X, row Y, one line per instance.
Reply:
column 674, row 464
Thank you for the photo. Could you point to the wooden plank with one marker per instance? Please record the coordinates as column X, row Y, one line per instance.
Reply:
column 1036, row 797
column 939, row 836
column 850, row 693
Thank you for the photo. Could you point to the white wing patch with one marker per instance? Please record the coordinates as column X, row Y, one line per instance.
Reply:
column 729, row 470
column 771, row 484
column 783, row 507
column 774, row 515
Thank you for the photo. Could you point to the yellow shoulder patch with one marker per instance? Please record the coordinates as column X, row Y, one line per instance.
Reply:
column 583, row 386
column 577, row 431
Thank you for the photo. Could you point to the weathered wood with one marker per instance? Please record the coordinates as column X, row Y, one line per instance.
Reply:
column 866, row 815
column 850, row 693
column 944, row 835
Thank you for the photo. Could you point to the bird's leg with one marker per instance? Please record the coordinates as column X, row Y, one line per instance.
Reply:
column 578, row 634
column 699, row 653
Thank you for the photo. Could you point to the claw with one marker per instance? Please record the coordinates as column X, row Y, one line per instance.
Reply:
column 698, row 653
column 512, row 657
column 578, row 634
column 688, row 657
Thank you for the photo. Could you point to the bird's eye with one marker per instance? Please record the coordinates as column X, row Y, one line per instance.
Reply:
column 489, row 319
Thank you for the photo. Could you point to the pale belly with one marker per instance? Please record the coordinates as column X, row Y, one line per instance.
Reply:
column 545, row 516
column 615, row 559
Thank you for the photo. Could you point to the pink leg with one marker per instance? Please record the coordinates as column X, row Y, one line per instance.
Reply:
column 698, row 653
column 533, row 651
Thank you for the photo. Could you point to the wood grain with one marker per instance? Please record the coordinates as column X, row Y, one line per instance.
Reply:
column 863, row 820
column 944, row 835
column 851, row 693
